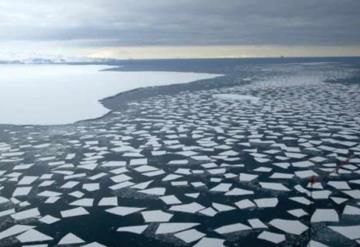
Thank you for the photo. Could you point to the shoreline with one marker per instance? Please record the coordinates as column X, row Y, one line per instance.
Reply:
column 228, row 76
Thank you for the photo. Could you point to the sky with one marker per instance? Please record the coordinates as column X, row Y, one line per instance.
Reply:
column 181, row 28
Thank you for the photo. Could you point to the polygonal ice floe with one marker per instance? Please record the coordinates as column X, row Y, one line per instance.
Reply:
column 170, row 199
column 22, row 191
column 14, row 230
column 222, row 207
column 138, row 162
column 313, row 243
column 338, row 200
column 237, row 227
column 245, row 203
column 351, row 210
column 302, row 164
column 154, row 191
column 156, row 216
column 108, row 201
column 74, row 212
column 297, row 212
column 306, row 174
column 266, row 202
column 51, row 200
column 7, row 212
column 272, row 237
column 289, row 226
column 3, row 200
column 69, row 184
column 187, row 208
column 280, row 175
column 222, row 187
column 237, row 97
column 120, row 178
column 33, row 235
column 273, row 186
column 351, row 232
column 27, row 180
column 340, row 185
column 256, row 224
column 353, row 193
column 210, row 242
column 208, row 211
column 301, row 199
column 171, row 177
column 48, row 193
column 142, row 186
column 123, row 211
column 239, row 192
column 121, row 185
column 324, row 215
column 69, row 239
column 165, row 228
column 48, row 219
column 84, row 202
column 246, row 177
column 93, row 244
column 189, row 236
column 26, row 214
column 321, row 194
column 133, row 229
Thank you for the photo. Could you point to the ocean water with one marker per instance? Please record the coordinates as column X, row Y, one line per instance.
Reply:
column 63, row 94
column 238, row 170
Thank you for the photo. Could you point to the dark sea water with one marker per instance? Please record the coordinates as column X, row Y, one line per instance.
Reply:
column 299, row 143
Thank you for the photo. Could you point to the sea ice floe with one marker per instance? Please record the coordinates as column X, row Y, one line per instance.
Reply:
column 108, row 201
column 189, row 236
column 48, row 219
column 297, row 212
column 84, row 202
column 79, row 211
column 26, row 214
column 207, row 242
column 22, row 191
column 324, row 215
column 192, row 207
column 154, row 191
column 123, row 211
column 133, row 229
column 350, row 232
column 14, row 230
column 70, row 239
column 237, row 97
column 353, row 193
column 275, row 238
column 165, row 228
column 245, row 203
column 351, row 210
column 208, row 211
column 289, row 226
column 266, row 202
column 237, row 227
column 274, row 186
column 170, row 199
column 156, row 216
column 256, row 224
column 239, row 192
column 33, row 235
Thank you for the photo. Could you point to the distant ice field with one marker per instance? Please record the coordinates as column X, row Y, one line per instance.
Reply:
column 63, row 94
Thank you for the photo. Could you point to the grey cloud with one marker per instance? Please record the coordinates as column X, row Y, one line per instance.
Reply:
column 183, row 22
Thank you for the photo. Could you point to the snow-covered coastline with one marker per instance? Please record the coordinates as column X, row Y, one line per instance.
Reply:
column 63, row 94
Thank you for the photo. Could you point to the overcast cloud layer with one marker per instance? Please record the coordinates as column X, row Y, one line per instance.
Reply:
column 182, row 22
